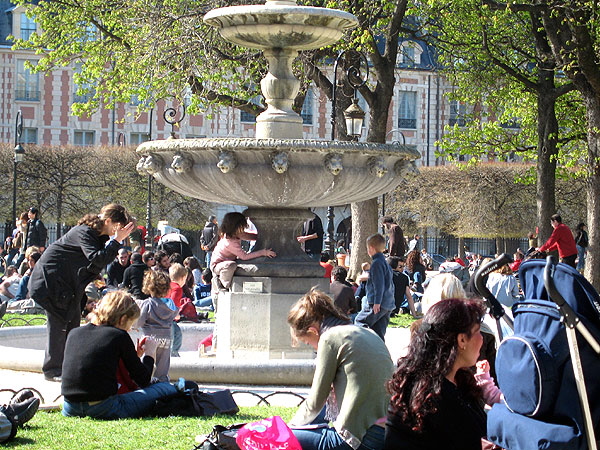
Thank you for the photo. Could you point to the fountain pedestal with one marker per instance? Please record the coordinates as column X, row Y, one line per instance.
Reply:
column 251, row 319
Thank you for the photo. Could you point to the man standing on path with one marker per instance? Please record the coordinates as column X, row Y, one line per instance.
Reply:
column 396, row 244
column 35, row 234
column 312, row 237
column 562, row 240
column 209, row 238
column 414, row 243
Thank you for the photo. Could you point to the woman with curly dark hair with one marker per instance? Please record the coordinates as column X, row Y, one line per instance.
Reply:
column 435, row 400
column 59, row 278
column 415, row 269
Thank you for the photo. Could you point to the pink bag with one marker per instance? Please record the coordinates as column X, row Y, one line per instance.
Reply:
column 271, row 433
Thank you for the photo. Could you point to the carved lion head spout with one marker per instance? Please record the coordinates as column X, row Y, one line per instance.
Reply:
column 333, row 162
column 406, row 169
column 376, row 166
column 139, row 167
column 280, row 162
column 227, row 161
column 153, row 164
column 181, row 163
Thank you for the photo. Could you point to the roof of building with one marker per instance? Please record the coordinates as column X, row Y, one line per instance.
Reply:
column 6, row 16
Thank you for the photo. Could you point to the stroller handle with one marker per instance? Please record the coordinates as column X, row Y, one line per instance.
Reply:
column 480, row 278
column 570, row 318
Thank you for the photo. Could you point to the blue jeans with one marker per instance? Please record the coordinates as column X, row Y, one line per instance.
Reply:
column 22, row 291
column 376, row 322
column 133, row 404
column 328, row 439
column 207, row 257
column 204, row 303
column 176, row 339
column 581, row 256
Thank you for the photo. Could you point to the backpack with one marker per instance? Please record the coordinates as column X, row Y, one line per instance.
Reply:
column 187, row 311
column 195, row 403
column 534, row 369
column 8, row 428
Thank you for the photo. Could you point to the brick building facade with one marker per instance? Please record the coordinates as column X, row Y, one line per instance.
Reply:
column 419, row 110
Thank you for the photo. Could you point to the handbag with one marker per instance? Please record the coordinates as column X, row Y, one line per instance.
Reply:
column 195, row 403
column 271, row 433
column 221, row 438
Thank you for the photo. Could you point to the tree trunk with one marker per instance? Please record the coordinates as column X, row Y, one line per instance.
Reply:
column 364, row 224
column 59, row 212
column 546, row 162
column 592, row 264
column 461, row 248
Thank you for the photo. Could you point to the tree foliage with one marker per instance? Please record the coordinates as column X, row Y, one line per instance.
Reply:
column 67, row 182
column 481, row 200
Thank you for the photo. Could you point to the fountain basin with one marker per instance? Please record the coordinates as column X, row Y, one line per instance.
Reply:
column 272, row 173
column 281, row 25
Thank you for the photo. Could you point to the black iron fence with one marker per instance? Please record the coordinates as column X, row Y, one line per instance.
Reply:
column 442, row 245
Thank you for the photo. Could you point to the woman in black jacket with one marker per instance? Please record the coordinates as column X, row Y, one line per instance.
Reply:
column 59, row 278
column 436, row 402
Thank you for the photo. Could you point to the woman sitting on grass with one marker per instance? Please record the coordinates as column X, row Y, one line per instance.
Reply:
column 352, row 368
column 92, row 354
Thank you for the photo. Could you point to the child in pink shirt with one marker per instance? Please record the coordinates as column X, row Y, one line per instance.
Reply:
column 229, row 248
column 491, row 393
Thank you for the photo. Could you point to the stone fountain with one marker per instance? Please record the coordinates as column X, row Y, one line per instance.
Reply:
column 277, row 175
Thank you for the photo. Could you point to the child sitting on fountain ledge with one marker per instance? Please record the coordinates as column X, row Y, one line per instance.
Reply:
column 229, row 249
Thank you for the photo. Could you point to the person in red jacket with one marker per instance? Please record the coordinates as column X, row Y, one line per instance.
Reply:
column 562, row 240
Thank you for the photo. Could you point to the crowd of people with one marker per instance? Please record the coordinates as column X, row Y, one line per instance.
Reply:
column 433, row 398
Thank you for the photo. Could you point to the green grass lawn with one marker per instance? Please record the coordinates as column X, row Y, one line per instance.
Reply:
column 402, row 321
column 49, row 430
column 19, row 320
column 16, row 320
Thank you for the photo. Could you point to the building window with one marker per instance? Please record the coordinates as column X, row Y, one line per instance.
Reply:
column 28, row 26
column 512, row 123
column 408, row 54
column 249, row 117
column 28, row 84
column 458, row 110
column 307, row 108
column 137, row 138
column 83, row 137
column 29, row 136
column 407, row 110
column 84, row 91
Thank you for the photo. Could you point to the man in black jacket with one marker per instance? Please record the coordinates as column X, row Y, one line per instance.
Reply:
column 342, row 293
column 209, row 238
column 36, row 231
column 116, row 269
column 133, row 279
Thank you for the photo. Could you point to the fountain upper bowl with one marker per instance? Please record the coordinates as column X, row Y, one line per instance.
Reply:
column 277, row 173
column 281, row 25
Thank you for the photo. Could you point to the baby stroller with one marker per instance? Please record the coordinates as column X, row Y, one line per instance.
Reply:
column 548, row 370
column 496, row 310
column 175, row 243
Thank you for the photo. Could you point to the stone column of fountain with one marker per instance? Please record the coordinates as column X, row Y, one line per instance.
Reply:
column 278, row 175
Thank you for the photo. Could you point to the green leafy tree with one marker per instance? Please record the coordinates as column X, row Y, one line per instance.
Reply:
column 156, row 49
column 522, row 104
column 573, row 32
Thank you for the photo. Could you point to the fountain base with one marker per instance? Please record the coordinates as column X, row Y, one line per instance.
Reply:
column 252, row 318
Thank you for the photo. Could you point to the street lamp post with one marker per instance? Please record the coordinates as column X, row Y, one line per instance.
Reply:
column 149, row 233
column 354, row 117
column 395, row 130
column 18, row 157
